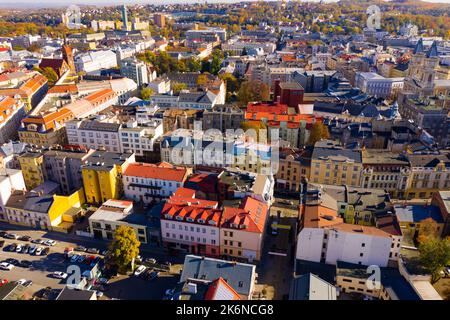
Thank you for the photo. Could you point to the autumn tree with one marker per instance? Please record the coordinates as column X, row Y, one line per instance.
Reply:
column 146, row 93
column 49, row 73
column 428, row 228
column 178, row 86
column 318, row 132
column 253, row 91
column 434, row 256
column 123, row 250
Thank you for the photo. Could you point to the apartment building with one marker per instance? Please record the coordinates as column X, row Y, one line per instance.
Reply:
column 333, row 164
column 140, row 139
column 11, row 113
column 63, row 166
column 222, row 117
column 191, row 225
column 94, row 134
column 147, row 183
column 10, row 180
column 377, row 85
column 95, row 60
column 102, row 175
column 242, row 230
column 33, row 169
column 294, row 168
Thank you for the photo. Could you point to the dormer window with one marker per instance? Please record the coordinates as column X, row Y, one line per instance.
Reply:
column 212, row 222
column 189, row 219
column 179, row 218
column 168, row 216
column 201, row 221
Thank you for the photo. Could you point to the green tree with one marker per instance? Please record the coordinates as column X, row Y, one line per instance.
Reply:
column 49, row 73
column 231, row 82
column 216, row 63
column 193, row 65
column 253, row 91
column 146, row 93
column 123, row 249
column 434, row 256
column 318, row 131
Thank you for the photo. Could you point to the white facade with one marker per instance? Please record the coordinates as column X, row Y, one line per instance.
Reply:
column 95, row 60
column 189, row 233
column 377, row 85
column 92, row 138
column 13, row 113
column 140, row 138
column 330, row 245
column 10, row 180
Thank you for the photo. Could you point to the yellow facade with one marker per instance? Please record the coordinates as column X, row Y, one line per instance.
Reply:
column 32, row 167
column 336, row 172
column 101, row 184
column 45, row 139
column 63, row 203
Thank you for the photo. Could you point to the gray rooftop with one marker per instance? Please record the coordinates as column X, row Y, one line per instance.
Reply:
column 238, row 275
column 311, row 287
column 418, row 213
column 328, row 148
column 99, row 126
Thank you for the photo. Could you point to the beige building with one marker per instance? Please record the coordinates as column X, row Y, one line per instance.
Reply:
column 333, row 164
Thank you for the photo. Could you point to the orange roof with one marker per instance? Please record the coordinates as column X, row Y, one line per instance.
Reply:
column 353, row 228
column 185, row 193
column 28, row 88
column 162, row 171
column 193, row 209
column 100, row 96
column 270, row 107
column 49, row 120
column 68, row 88
column 319, row 216
column 275, row 119
column 251, row 216
column 219, row 289
column 7, row 106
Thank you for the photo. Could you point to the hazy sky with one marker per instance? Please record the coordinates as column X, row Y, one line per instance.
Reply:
column 22, row 3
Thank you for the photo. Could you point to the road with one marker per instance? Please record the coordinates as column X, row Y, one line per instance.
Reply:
column 121, row 287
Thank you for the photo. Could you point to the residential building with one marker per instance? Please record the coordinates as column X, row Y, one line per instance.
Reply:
column 140, row 139
column 311, row 287
column 294, row 169
column 242, row 230
column 48, row 212
column 95, row 60
column 199, row 289
column 94, row 134
column 60, row 66
column 240, row 276
column 191, row 225
column 159, row 19
column 135, row 70
column 11, row 113
column 222, row 117
column 63, row 166
column 441, row 199
column 33, row 169
column 333, row 164
column 411, row 217
column 175, row 119
column 114, row 213
column 146, row 183
column 10, row 181
column 102, row 175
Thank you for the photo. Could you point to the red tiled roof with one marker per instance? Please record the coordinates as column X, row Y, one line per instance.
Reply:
column 251, row 216
column 184, row 193
column 219, row 289
column 68, row 88
column 161, row 171
column 192, row 208
column 274, row 108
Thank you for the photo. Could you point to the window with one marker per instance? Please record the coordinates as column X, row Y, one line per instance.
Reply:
column 363, row 244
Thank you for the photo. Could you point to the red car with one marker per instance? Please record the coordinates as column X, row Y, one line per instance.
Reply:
column 3, row 281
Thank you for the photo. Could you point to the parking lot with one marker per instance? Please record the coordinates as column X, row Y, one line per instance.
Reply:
column 42, row 267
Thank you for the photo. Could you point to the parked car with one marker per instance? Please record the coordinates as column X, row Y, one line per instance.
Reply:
column 19, row 248
column 38, row 251
column 150, row 260
column 68, row 251
column 93, row 250
column 11, row 236
column 6, row 266
column 74, row 258
column 49, row 243
column 169, row 292
column 139, row 270
column 37, row 241
column 59, row 275
column 32, row 249
column 45, row 251
column 2, row 243
column 80, row 248
column 12, row 261
column 26, row 247
column 2, row 233
column 104, row 252
column 25, row 264
column 99, row 294
column 28, row 283
column 3, row 281
column 24, row 238
column 103, row 281
column 153, row 275
column 12, row 247
column 21, row 281
column 447, row 271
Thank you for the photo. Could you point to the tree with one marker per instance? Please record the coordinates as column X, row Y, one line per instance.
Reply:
column 216, row 63
column 202, row 79
column 193, row 65
column 428, row 228
column 253, row 91
column 123, row 249
column 230, row 81
column 49, row 73
column 146, row 93
column 318, row 132
column 178, row 86
column 434, row 256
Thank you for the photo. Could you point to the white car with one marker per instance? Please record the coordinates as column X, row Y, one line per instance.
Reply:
column 38, row 251
column 32, row 249
column 169, row 292
column 59, row 275
column 50, row 243
column 19, row 247
column 6, row 266
column 21, row 281
column 139, row 270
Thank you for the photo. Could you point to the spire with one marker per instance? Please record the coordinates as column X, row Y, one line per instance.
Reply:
column 433, row 52
column 419, row 46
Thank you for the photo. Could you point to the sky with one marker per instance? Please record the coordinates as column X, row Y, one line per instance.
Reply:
column 59, row 3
